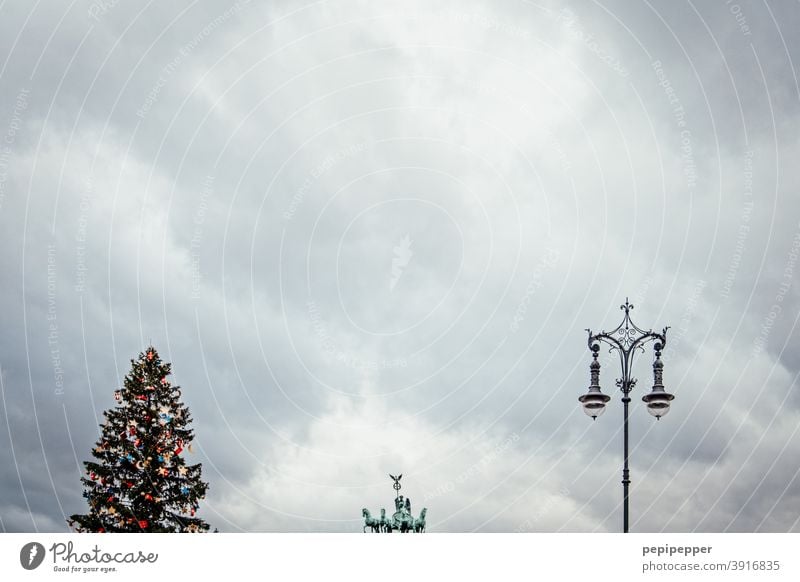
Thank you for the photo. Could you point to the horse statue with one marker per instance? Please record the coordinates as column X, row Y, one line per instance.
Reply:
column 403, row 521
column 384, row 523
column 370, row 521
column 419, row 523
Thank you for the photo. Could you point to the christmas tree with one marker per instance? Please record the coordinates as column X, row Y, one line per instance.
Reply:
column 140, row 481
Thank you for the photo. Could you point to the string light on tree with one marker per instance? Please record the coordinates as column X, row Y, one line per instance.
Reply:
column 140, row 480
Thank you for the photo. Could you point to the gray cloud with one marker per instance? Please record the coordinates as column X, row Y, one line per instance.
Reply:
column 369, row 238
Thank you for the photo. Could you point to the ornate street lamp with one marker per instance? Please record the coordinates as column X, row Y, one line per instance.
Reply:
column 626, row 339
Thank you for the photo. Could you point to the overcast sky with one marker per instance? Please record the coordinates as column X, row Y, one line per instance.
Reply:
column 370, row 236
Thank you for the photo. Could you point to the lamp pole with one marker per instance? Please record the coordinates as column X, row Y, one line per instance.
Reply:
column 626, row 339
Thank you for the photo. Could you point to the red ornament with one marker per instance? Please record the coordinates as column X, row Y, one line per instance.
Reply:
column 110, row 499
column 148, row 497
column 101, row 530
column 142, row 523
column 129, row 484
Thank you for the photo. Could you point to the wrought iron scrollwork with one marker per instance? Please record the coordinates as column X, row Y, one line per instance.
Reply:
column 625, row 339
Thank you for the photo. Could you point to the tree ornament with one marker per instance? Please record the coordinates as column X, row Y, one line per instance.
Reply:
column 123, row 495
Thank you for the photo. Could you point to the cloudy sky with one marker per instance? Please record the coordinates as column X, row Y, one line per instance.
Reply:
column 370, row 237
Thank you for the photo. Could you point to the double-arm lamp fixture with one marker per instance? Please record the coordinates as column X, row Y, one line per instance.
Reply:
column 626, row 339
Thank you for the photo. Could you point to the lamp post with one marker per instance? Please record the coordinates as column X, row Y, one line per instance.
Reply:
column 626, row 339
